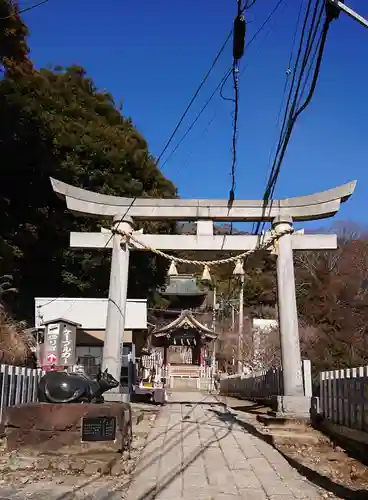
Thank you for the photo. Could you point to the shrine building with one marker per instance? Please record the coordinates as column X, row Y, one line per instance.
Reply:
column 182, row 335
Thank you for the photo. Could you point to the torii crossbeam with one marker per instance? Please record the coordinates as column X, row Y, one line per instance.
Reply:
column 282, row 214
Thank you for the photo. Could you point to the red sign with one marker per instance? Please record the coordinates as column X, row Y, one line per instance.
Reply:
column 51, row 358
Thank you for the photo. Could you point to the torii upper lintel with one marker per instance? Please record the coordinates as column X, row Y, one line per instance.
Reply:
column 301, row 208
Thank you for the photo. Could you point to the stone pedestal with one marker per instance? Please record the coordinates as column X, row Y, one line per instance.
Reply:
column 116, row 397
column 293, row 407
column 56, row 429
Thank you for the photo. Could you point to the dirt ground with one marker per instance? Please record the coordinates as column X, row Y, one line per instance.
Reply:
column 21, row 477
column 311, row 453
column 336, row 473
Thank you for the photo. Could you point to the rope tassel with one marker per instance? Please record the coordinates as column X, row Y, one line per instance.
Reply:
column 239, row 269
column 206, row 276
column 172, row 269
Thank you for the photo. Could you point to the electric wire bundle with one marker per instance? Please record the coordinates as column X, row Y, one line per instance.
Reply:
column 314, row 17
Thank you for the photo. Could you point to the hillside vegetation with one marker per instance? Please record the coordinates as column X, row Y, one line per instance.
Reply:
column 55, row 122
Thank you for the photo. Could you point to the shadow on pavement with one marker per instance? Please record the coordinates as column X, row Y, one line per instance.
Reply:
column 170, row 477
column 312, row 476
column 254, row 408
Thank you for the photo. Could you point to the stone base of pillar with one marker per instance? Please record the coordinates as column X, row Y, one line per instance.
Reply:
column 294, row 407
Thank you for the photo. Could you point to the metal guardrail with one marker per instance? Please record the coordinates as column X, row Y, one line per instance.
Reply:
column 18, row 385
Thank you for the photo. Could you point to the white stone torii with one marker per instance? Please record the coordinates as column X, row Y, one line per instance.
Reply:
column 282, row 213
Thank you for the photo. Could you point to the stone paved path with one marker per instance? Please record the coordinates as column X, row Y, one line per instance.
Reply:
column 197, row 451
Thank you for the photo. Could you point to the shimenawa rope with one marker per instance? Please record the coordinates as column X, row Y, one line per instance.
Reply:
column 130, row 239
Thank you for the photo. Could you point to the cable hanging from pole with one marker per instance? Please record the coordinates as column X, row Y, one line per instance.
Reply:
column 224, row 79
column 296, row 113
column 293, row 109
column 239, row 30
column 194, row 97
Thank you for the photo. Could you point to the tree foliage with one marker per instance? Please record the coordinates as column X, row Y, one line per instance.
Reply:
column 13, row 38
column 332, row 291
column 57, row 123
column 332, row 299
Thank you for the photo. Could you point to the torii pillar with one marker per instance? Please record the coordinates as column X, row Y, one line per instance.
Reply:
column 281, row 213
column 116, row 306
column 288, row 314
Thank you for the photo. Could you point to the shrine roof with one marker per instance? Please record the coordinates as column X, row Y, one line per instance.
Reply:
column 185, row 320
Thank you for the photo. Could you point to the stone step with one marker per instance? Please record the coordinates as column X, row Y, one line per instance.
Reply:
column 287, row 437
column 273, row 422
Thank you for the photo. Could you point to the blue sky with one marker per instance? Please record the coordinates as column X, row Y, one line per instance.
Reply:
column 153, row 54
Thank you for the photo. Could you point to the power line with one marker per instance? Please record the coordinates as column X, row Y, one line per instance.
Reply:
column 286, row 114
column 26, row 9
column 292, row 114
column 288, row 123
column 288, row 71
column 194, row 96
column 168, row 142
column 238, row 52
column 287, row 79
column 196, row 119
column 299, row 53
column 224, row 79
column 205, row 130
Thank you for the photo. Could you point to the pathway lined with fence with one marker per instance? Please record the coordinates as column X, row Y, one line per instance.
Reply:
column 198, row 449
column 344, row 397
column 263, row 384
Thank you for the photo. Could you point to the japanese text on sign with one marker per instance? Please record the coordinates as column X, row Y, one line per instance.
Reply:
column 53, row 337
column 67, row 347
column 60, row 344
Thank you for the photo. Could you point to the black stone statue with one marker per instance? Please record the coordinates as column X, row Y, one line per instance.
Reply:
column 61, row 387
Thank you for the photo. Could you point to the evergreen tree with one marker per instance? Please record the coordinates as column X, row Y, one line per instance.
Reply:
column 57, row 123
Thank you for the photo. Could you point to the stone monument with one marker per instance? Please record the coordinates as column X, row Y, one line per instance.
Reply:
column 71, row 421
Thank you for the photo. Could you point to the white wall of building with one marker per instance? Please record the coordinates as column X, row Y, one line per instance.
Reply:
column 261, row 327
column 89, row 313
column 264, row 324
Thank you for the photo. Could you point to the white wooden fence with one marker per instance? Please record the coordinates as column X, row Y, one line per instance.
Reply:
column 18, row 385
column 264, row 384
column 344, row 397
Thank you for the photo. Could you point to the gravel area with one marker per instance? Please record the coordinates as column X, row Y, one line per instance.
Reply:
column 21, row 477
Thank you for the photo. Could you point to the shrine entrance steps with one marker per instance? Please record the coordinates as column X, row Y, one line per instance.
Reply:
column 184, row 384
column 189, row 378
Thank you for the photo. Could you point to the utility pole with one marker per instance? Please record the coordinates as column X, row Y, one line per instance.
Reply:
column 239, row 273
column 350, row 12
column 214, row 307
column 241, row 324
column 214, row 311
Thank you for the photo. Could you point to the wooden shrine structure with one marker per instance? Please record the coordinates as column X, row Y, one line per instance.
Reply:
column 182, row 335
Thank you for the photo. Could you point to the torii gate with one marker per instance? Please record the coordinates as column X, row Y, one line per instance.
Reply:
column 281, row 213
